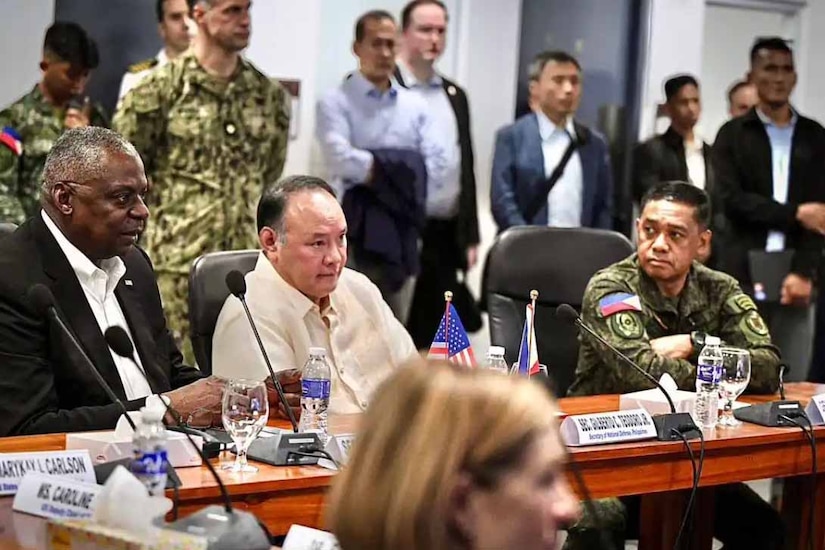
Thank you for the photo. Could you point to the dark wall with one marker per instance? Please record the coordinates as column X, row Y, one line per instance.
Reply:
column 125, row 32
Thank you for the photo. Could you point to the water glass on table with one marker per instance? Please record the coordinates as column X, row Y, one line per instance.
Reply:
column 245, row 411
column 736, row 374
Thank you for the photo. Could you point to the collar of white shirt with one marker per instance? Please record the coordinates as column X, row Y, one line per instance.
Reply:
column 410, row 81
column 297, row 301
column 548, row 129
column 112, row 269
column 768, row 122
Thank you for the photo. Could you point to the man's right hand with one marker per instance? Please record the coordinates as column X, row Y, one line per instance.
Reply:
column 812, row 216
column 290, row 380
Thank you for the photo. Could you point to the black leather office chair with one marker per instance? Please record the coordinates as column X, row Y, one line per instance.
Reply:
column 7, row 228
column 558, row 263
column 207, row 293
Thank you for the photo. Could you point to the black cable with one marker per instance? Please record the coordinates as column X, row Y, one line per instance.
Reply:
column 809, row 433
column 607, row 543
column 314, row 454
column 697, row 474
column 175, row 501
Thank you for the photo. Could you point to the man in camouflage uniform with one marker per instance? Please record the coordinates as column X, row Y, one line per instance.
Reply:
column 38, row 118
column 656, row 307
column 212, row 130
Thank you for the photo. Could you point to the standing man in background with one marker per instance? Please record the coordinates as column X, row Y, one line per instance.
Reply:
column 742, row 98
column 451, row 236
column 212, row 130
column 530, row 150
column 769, row 167
column 173, row 28
column 30, row 126
column 364, row 126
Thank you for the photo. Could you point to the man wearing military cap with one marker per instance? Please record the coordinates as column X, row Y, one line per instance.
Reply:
column 656, row 307
column 30, row 126
column 173, row 27
column 212, row 130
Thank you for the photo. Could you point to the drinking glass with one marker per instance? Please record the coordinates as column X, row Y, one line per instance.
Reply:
column 245, row 410
column 736, row 373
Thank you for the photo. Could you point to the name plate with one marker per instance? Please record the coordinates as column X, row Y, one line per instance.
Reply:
column 610, row 427
column 55, row 498
column 816, row 409
column 338, row 447
column 75, row 464
column 302, row 538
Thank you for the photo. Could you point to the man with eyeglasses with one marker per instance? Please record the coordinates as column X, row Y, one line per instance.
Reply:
column 30, row 125
column 81, row 245
column 301, row 295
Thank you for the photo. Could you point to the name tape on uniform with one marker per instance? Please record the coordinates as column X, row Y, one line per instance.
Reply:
column 816, row 409
column 611, row 427
column 55, row 497
column 75, row 464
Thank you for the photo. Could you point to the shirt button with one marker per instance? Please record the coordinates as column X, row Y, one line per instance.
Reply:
column 230, row 128
column 364, row 404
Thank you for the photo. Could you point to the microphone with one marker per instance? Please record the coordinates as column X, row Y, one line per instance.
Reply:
column 226, row 528
column 236, row 284
column 665, row 424
column 44, row 304
column 291, row 448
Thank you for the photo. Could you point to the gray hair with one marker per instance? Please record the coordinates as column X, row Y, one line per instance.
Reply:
column 274, row 200
column 78, row 155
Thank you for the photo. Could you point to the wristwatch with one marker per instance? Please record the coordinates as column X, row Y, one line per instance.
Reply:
column 697, row 338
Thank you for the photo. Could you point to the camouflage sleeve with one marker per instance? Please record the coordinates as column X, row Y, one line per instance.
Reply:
column 280, row 140
column 743, row 327
column 11, row 209
column 140, row 117
column 626, row 331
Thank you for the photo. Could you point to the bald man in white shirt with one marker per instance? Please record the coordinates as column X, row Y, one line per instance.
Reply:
column 301, row 295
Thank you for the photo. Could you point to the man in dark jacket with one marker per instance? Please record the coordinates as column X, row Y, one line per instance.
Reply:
column 771, row 179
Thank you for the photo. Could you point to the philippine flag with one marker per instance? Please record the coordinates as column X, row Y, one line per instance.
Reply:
column 528, row 355
column 619, row 301
column 11, row 139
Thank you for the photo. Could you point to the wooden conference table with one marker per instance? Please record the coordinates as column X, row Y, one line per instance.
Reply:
column 282, row 496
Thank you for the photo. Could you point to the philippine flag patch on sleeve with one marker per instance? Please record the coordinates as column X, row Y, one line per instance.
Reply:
column 619, row 301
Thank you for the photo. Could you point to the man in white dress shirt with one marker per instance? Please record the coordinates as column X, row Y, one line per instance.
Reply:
column 301, row 295
column 175, row 29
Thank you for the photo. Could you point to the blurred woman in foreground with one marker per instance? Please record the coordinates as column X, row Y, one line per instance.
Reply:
column 450, row 458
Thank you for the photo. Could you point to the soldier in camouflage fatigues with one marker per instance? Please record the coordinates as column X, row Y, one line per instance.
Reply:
column 655, row 307
column 210, row 146
column 39, row 119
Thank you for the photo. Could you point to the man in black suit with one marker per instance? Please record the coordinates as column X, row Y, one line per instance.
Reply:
column 81, row 245
column 771, row 179
column 450, row 239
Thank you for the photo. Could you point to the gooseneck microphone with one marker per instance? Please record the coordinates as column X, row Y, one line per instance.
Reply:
column 665, row 423
column 237, row 286
column 226, row 528
column 42, row 299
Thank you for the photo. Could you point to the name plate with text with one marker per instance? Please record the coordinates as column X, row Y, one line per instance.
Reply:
column 75, row 465
column 610, row 427
column 338, row 447
column 816, row 409
column 55, row 497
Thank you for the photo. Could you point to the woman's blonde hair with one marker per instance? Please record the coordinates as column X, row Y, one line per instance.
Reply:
column 426, row 426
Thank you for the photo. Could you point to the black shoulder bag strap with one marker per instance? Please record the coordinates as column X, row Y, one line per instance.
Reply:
column 580, row 138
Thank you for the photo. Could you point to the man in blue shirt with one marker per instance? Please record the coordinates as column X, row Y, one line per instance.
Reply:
column 771, row 179
column 367, row 112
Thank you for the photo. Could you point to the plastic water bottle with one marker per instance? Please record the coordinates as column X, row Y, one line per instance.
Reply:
column 708, row 378
column 150, row 459
column 495, row 360
column 315, row 387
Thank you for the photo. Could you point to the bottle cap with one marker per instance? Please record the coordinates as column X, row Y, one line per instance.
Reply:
column 318, row 351
column 713, row 341
column 495, row 350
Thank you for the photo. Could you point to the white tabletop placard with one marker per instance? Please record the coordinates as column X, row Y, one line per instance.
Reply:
column 609, row 427
column 75, row 464
column 303, row 538
column 55, row 497
column 816, row 409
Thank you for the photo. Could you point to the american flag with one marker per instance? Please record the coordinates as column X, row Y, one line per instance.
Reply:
column 452, row 343
column 528, row 355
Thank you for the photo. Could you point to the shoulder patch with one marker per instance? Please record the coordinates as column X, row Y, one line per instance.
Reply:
column 740, row 303
column 618, row 302
column 753, row 323
column 626, row 325
column 144, row 65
